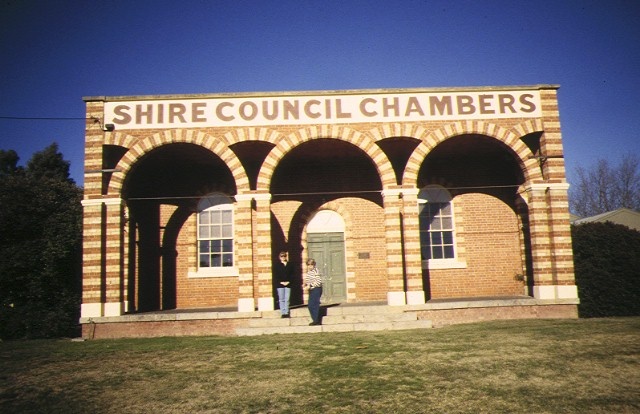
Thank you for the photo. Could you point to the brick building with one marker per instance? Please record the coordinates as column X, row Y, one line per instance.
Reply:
column 402, row 196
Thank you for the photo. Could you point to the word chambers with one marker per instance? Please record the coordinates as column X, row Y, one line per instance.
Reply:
column 281, row 110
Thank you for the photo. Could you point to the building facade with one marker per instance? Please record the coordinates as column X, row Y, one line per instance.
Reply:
column 402, row 197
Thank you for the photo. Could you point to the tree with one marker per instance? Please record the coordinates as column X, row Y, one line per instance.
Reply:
column 9, row 162
column 41, row 227
column 605, row 188
column 49, row 164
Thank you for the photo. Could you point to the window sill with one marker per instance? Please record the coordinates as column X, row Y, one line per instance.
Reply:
column 444, row 264
column 215, row 272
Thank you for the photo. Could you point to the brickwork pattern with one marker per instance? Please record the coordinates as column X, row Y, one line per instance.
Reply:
column 385, row 226
column 446, row 317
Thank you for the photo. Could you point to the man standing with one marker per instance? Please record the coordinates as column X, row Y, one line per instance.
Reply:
column 283, row 274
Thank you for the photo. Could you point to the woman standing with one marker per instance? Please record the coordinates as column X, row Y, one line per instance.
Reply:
column 313, row 282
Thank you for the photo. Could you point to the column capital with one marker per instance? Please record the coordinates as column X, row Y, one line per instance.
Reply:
column 253, row 196
column 99, row 201
column 389, row 192
column 563, row 186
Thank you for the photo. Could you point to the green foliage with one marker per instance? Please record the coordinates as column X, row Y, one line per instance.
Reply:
column 8, row 162
column 607, row 269
column 49, row 164
column 41, row 227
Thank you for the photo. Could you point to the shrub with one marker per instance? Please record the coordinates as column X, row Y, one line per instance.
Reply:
column 607, row 269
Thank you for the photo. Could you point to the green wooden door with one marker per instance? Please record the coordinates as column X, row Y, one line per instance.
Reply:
column 328, row 251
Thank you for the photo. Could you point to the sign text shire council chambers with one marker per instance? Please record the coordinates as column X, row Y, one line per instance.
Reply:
column 334, row 108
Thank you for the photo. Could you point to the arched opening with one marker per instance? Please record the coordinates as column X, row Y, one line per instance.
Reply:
column 471, row 233
column 162, row 190
column 313, row 175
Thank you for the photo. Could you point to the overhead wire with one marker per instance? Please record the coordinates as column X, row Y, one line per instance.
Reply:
column 42, row 118
column 326, row 193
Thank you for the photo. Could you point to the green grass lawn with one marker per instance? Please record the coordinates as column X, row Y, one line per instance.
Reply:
column 533, row 366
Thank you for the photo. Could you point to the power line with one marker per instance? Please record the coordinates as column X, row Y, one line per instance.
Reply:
column 326, row 193
column 45, row 118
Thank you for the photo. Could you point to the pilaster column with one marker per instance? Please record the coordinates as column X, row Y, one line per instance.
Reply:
column 104, row 261
column 262, row 252
column 412, row 256
column 395, row 262
column 404, row 265
column 552, row 252
column 243, row 237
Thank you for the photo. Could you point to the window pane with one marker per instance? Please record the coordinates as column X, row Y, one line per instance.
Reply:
column 215, row 232
column 436, row 224
column 448, row 252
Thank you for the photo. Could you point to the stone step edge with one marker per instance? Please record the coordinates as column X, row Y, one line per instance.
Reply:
column 337, row 311
column 334, row 320
column 353, row 327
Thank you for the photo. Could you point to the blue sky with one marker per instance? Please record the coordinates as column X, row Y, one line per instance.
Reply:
column 53, row 53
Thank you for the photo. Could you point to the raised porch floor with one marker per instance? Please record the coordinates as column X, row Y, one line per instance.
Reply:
column 338, row 318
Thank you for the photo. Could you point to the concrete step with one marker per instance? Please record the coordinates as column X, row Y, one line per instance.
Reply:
column 343, row 327
column 369, row 318
column 337, row 319
column 297, row 319
column 366, row 310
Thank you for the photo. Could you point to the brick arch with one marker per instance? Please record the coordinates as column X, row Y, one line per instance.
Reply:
column 348, row 234
column 253, row 134
column 398, row 129
column 120, row 139
column 348, row 226
column 509, row 137
column 331, row 206
column 143, row 146
column 528, row 127
column 359, row 139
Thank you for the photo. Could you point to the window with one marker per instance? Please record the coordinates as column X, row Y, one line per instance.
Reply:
column 215, row 232
column 436, row 224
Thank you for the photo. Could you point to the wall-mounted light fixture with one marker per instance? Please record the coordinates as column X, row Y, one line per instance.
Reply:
column 104, row 127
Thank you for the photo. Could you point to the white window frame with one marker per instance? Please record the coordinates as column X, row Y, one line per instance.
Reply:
column 438, row 194
column 215, row 203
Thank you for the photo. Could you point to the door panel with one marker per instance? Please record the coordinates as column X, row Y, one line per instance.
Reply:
column 328, row 251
